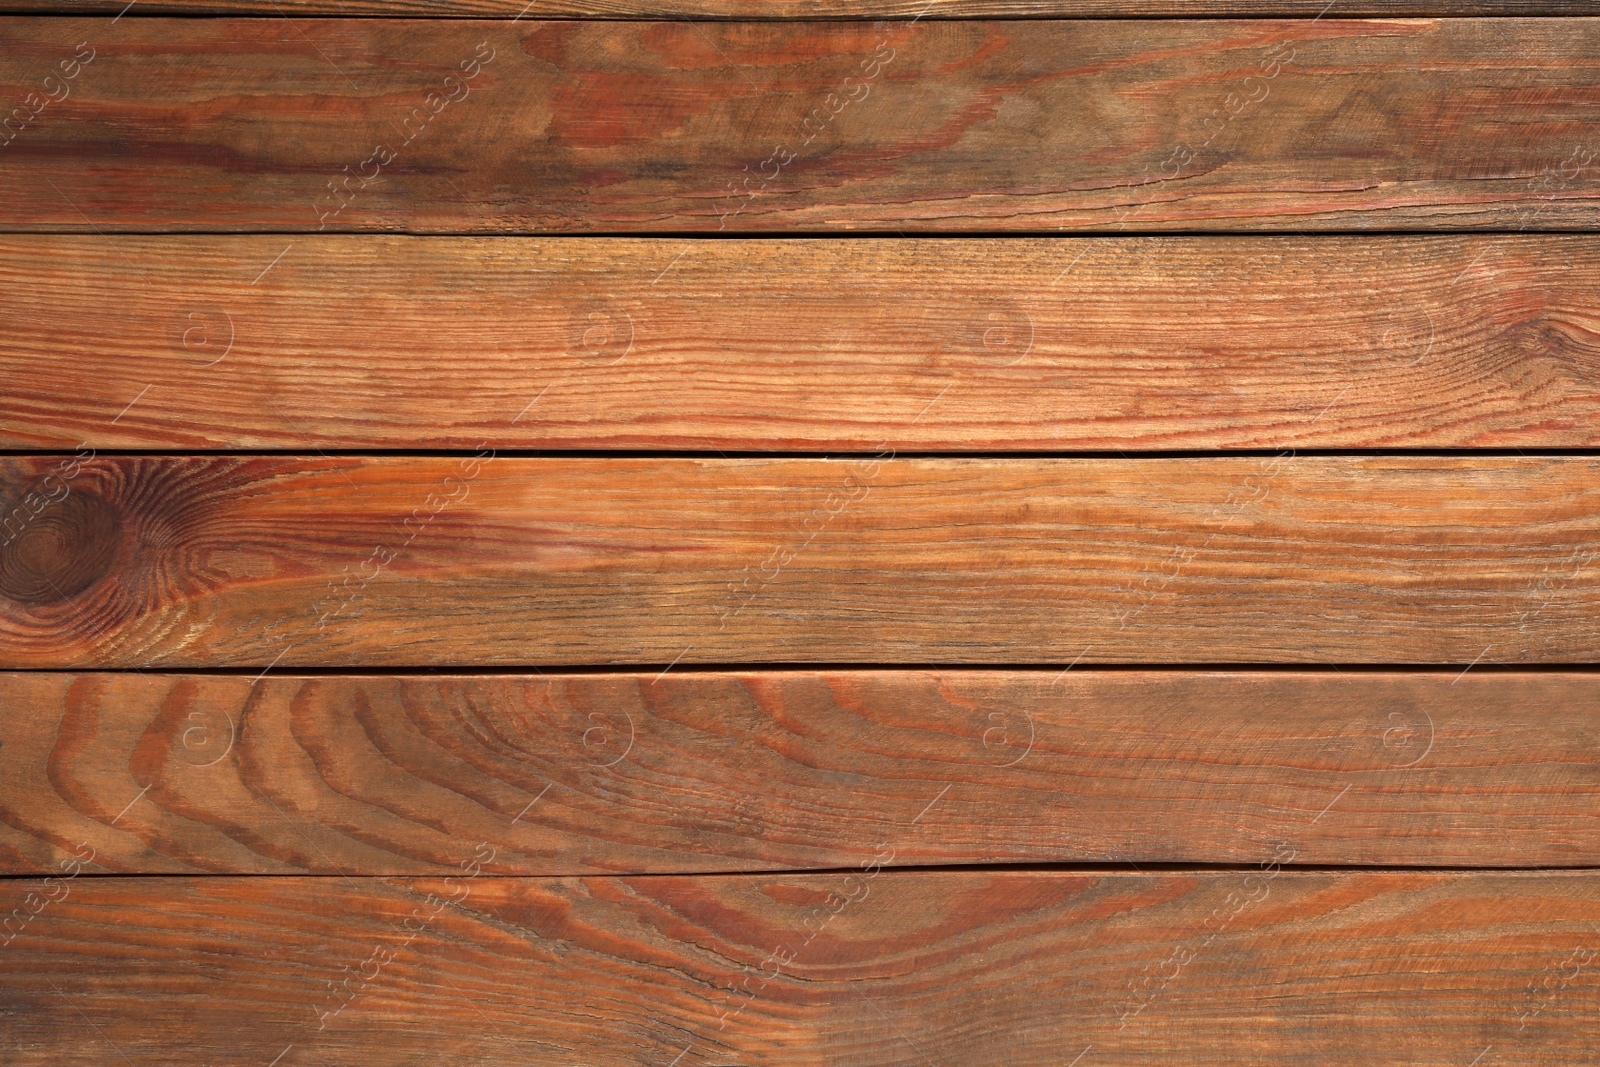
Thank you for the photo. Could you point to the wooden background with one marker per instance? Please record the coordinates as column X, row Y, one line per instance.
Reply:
column 728, row 533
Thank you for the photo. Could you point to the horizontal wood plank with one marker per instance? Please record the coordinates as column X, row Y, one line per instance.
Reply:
column 1097, row 343
column 503, row 561
column 1260, row 965
column 628, row 773
column 1026, row 125
column 815, row 9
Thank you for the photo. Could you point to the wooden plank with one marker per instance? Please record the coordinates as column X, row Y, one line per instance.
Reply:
column 624, row 773
column 500, row 561
column 1040, row 344
column 1259, row 965
column 1029, row 125
column 815, row 9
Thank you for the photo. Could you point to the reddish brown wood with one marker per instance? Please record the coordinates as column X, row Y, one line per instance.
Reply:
column 666, row 801
column 816, row 9
column 263, row 561
column 866, row 966
column 1132, row 343
column 577, row 774
column 1028, row 125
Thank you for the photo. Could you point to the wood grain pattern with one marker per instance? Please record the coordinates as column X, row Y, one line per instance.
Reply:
column 626, row 773
column 1256, row 966
column 502, row 561
column 816, row 9
column 1029, row 125
column 1099, row 343
column 567, row 775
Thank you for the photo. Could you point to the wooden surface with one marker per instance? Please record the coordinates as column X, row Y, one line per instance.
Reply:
column 568, row 775
column 1041, row 344
column 1029, row 969
column 625, row 773
column 1111, row 126
column 1043, row 602
column 819, row 9
column 257, row 561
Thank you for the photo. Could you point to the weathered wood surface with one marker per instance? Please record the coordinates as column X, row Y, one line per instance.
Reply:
column 819, row 9
column 1027, row 969
column 1027, row 125
column 580, row 774
column 502, row 561
column 1116, row 343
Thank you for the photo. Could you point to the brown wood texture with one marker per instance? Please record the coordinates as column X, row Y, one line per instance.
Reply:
column 504, row 561
column 1044, row 344
column 818, row 9
column 628, row 773
column 1027, row 125
column 1026, row 969
column 756, row 10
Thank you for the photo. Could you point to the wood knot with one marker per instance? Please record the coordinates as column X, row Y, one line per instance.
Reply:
column 62, row 550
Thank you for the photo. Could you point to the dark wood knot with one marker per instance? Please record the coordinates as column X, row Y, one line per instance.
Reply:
column 61, row 551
